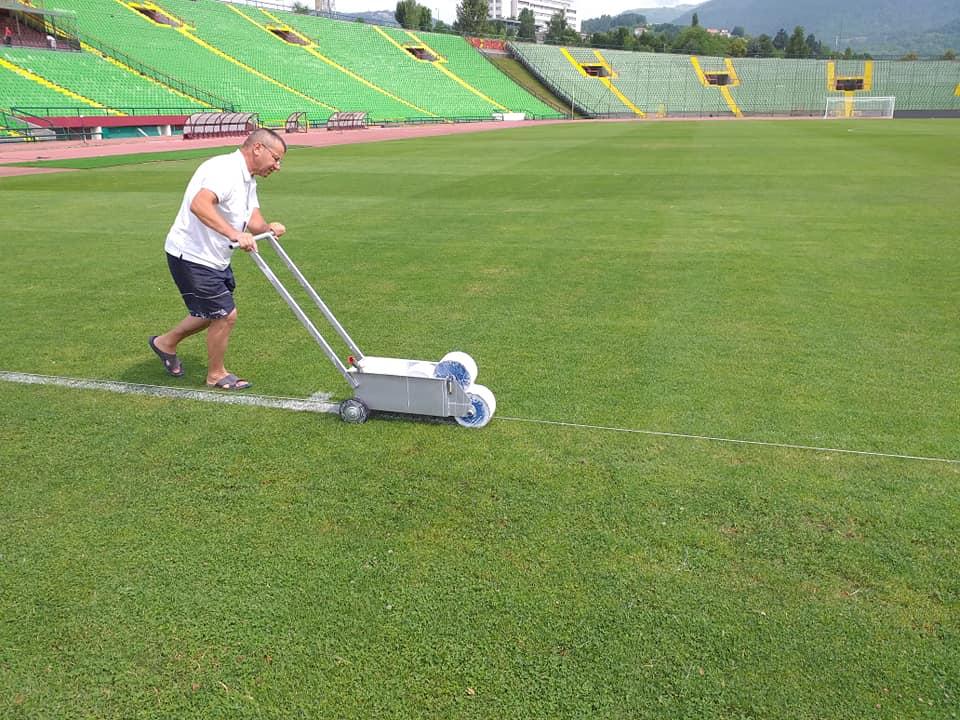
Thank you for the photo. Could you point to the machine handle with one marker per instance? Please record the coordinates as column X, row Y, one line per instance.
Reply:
column 261, row 236
column 298, row 311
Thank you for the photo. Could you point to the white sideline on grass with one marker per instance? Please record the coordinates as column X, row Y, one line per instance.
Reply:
column 710, row 438
column 313, row 404
column 319, row 404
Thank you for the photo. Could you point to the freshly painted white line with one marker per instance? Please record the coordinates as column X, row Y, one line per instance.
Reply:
column 319, row 403
column 710, row 438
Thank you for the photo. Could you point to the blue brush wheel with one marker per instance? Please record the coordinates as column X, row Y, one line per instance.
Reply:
column 482, row 407
column 459, row 366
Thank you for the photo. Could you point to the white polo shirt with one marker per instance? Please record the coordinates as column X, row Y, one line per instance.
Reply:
column 227, row 177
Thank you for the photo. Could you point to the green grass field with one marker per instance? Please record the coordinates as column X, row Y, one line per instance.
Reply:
column 784, row 282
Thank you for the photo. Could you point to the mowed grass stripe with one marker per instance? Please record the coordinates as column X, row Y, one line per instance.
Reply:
column 791, row 281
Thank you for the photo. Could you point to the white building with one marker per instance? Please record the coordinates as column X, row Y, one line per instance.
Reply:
column 543, row 10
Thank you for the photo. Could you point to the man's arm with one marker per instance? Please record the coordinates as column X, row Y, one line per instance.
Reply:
column 256, row 224
column 204, row 206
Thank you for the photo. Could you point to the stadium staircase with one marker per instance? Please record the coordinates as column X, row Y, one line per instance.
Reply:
column 581, row 59
column 711, row 73
column 13, row 128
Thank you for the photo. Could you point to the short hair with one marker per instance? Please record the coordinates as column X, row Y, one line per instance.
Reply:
column 261, row 135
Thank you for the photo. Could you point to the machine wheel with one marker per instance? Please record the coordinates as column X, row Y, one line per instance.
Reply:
column 459, row 366
column 353, row 411
column 483, row 406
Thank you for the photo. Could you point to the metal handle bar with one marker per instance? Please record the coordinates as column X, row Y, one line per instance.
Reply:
column 298, row 311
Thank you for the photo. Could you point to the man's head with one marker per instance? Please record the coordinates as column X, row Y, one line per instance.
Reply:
column 264, row 151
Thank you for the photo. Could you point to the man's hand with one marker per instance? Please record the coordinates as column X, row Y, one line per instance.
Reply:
column 276, row 228
column 246, row 242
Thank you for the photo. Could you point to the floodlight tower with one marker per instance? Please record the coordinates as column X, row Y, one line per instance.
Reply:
column 325, row 6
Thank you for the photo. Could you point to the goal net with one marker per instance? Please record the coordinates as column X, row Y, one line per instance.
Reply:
column 859, row 107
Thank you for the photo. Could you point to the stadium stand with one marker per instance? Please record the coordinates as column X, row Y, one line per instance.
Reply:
column 438, row 83
column 578, row 90
column 359, row 49
column 380, row 56
column 679, row 85
column 178, row 52
column 770, row 86
column 91, row 76
column 245, row 33
column 21, row 89
column 918, row 86
column 665, row 84
column 471, row 66
column 152, row 57
column 654, row 84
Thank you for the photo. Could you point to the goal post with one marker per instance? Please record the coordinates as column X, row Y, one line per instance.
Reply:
column 862, row 106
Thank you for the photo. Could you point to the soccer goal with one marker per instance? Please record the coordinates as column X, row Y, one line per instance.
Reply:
column 870, row 106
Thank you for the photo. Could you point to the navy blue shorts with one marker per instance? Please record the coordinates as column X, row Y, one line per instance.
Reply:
column 207, row 292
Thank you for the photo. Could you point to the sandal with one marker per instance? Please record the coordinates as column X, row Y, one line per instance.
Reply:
column 171, row 363
column 230, row 382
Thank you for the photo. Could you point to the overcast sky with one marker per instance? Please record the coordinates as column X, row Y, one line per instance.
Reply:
column 447, row 9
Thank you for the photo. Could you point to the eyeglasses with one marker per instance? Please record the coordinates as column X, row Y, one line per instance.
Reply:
column 276, row 158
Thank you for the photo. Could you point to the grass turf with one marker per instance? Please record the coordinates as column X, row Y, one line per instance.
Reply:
column 779, row 281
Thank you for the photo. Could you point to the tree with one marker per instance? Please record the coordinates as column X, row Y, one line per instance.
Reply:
column 624, row 38
column 426, row 18
column 300, row 9
column 472, row 17
column 796, row 45
column 761, row 46
column 695, row 21
column 695, row 40
column 910, row 56
column 555, row 29
column 558, row 32
column 408, row 14
column 780, row 39
column 813, row 46
column 738, row 31
column 949, row 55
column 605, row 23
column 528, row 25
column 738, row 47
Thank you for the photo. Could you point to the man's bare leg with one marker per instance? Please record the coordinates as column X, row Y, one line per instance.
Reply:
column 190, row 325
column 218, row 335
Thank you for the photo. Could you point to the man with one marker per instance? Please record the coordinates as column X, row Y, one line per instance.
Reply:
column 219, row 207
column 7, row 35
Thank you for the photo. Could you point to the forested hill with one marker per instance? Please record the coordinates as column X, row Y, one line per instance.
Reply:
column 859, row 23
column 653, row 16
